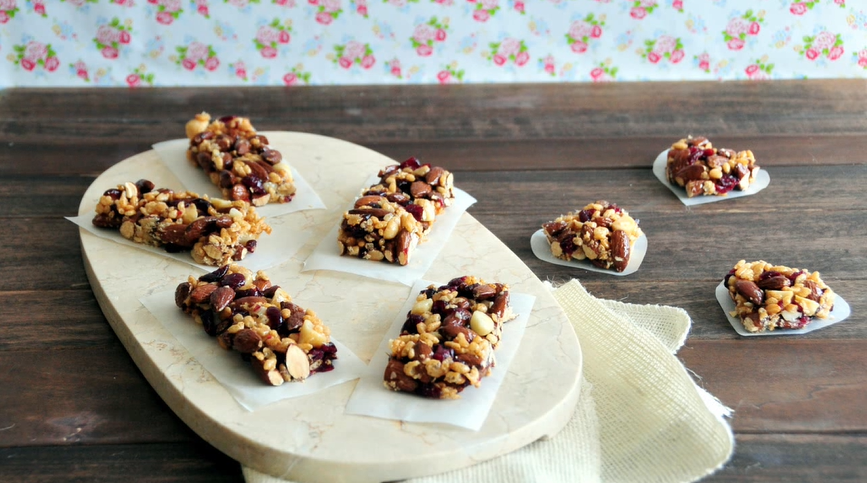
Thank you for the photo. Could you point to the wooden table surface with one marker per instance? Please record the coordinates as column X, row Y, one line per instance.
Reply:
column 76, row 408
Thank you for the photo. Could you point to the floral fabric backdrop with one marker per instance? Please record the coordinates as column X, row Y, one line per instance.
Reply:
column 276, row 42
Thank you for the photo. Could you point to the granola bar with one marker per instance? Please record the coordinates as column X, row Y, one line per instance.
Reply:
column 447, row 342
column 701, row 169
column 214, row 231
column 769, row 297
column 423, row 190
column 248, row 314
column 602, row 232
column 239, row 160
column 378, row 229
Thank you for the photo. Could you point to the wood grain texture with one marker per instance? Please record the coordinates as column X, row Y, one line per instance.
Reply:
column 77, row 409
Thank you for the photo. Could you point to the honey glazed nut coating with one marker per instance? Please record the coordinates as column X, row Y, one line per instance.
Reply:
column 380, row 230
column 423, row 190
column 239, row 160
column 769, row 297
column 701, row 169
column 248, row 314
column 447, row 342
column 214, row 231
column 602, row 233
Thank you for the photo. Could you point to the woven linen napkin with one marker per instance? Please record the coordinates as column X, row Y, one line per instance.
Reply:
column 640, row 417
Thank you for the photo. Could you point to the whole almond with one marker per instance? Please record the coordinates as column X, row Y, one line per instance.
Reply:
column 368, row 200
column 620, row 250
column 396, row 378
column 419, row 189
column 246, row 341
column 750, row 291
column 221, row 298
column 240, row 192
column 500, row 304
column 774, row 283
column 202, row 293
column 433, row 176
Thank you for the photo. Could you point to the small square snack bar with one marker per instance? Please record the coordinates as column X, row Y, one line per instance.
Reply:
column 769, row 297
column 602, row 232
column 239, row 160
column 447, row 342
column 695, row 165
column 247, row 313
column 423, row 190
column 379, row 229
column 215, row 231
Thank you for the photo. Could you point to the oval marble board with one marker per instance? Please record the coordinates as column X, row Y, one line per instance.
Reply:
column 310, row 438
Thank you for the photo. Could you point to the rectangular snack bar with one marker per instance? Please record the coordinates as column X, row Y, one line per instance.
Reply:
column 602, row 232
column 248, row 314
column 378, row 229
column 239, row 160
column 694, row 164
column 423, row 190
column 770, row 297
column 215, row 231
column 447, row 342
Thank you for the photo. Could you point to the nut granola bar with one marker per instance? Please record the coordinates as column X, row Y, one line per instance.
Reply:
column 447, row 342
column 239, row 160
column 701, row 169
column 423, row 190
column 248, row 314
column 602, row 232
column 215, row 231
column 769, row 297
column 378, row 229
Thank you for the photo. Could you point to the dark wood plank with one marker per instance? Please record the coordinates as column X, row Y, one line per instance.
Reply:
column 41, row 254
column 42, row 196
column 784, row 384
column 81, row 396
column 795, row 457
column 190, row 462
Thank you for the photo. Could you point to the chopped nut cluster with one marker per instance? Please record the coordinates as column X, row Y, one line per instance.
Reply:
column 602, row 232
column 447, row 342
column 392, row 217
column 422, row 189
column 694, row 164
column 239, row 160
column 246, row 313
column 769, row 297
column 215, row 231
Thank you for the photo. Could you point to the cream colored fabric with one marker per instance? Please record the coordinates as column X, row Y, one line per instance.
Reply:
column 640, row 417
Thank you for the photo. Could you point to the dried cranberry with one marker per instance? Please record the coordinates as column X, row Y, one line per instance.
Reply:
column 227, row 180
column 251, row 246
column 269, row 292
column 428, row 390
column 769, row 274
column 113, row 193
column 202, row 205
column 795, row 275
column 416, row 211
column 208, row 323
column 709, row 152
column 567, row 244
column 411, row 324
column 254, row 183
column 429, row 292
column 439, row 307
column 226, row 119
column 726, row 184
column 457, row 282
column 275, row 319
column 144, row 186
column 250, row 292
column 234, row 280
column 404, row 186
column 585, row 215
column 441, row 353
column 216, row 275
column 411, row 163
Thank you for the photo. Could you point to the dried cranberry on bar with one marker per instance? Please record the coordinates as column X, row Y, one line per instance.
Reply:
column 602, row 233
column 250, row 315
column 769, row 297
column 423, row 190
column 239, row 160
column 379, row 230
column 213, row 230
column 701, row 169
column 448, row 340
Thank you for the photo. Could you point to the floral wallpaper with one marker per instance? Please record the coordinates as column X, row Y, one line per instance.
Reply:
column 141, row 43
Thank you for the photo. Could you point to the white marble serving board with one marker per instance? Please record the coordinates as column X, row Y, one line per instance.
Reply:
column 310, row 438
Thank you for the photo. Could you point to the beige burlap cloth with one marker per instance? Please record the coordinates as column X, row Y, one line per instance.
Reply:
column 640, row 417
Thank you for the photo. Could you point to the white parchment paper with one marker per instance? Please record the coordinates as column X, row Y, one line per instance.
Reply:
column 174, row 155
column 542, row 249
column 838, row 314
column 372, row 398
column 763, row 179
column 274, row 249
column 235, row 374
column 326, row 256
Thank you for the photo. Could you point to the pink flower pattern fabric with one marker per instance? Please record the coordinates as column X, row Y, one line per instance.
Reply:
column 141, row 43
